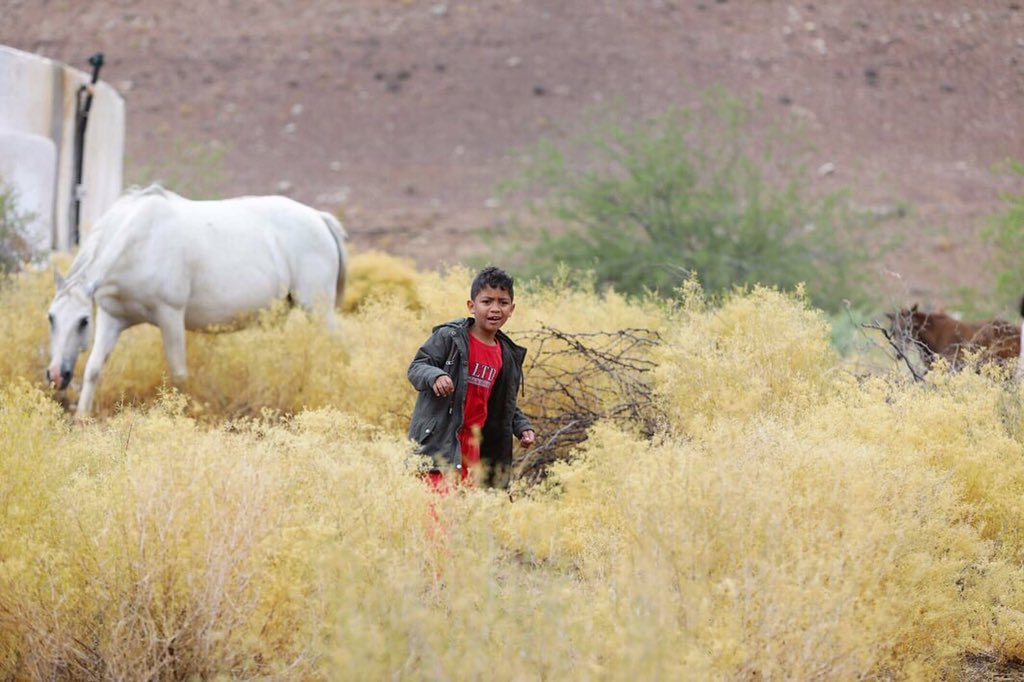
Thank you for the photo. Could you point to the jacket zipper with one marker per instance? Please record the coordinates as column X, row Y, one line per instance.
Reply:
column 447, row 368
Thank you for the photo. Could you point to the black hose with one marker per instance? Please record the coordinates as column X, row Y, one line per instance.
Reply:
column 83, row 103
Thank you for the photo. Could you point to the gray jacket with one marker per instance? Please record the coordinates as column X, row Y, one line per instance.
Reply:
column 436, row 420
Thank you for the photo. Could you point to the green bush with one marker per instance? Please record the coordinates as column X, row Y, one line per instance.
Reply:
column 14, row 246
column 697, row 190
column 192, row 169
column 1005, row 233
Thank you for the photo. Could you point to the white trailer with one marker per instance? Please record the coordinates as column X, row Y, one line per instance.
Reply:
column 40, row 101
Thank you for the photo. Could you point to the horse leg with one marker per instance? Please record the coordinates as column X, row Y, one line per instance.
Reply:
column 317, row 301
column 330, row 321
column 172, row 330
column 108, row 329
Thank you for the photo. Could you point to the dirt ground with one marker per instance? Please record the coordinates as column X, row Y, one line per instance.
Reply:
column 404, row 115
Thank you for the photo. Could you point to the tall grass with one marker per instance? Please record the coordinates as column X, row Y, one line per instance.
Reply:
column 787, row 521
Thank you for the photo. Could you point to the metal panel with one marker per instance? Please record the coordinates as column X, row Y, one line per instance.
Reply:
column 37, row 97
column 28, row 163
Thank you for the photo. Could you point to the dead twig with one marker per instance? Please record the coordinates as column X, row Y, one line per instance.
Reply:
column 576, row 379
column 899, row 342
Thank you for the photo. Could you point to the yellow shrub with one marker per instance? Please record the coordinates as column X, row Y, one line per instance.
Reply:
column 375, row 274
column 790, row 521
column 24, row 300
column 760, row 353
column 764, row 552
column 158, row 548
column 444, row 295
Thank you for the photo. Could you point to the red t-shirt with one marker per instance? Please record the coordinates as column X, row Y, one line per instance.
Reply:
column 484, row 365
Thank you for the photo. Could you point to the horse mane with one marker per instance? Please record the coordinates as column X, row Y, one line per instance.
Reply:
column 153, row 189
column 108, row 228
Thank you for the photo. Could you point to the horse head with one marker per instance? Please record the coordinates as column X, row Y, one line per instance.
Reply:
column 906, row 329
column 70, row 317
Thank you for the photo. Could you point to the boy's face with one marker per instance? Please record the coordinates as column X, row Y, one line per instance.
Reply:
column 491, row 308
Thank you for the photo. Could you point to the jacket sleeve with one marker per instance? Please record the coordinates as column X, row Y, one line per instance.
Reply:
column 520, row 423
column 425, row 368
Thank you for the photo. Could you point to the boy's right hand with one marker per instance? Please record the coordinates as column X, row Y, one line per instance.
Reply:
column 443, row 386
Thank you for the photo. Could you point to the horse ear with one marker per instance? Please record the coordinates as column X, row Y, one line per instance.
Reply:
column 913, row 308
column 58, row 281
column 890, row 316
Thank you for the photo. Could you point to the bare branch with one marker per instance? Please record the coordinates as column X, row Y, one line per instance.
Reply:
column 576, row 379
column 899, row 341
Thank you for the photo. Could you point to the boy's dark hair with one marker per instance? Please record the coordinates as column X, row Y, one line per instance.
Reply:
column 492, row 277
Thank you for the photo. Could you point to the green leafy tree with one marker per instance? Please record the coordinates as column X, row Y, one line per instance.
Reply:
column 14, row 245
column 699, row 191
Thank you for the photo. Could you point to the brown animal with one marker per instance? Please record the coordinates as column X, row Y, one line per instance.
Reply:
column 936, row 334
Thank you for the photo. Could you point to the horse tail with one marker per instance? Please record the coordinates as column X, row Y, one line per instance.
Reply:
column 339, row 235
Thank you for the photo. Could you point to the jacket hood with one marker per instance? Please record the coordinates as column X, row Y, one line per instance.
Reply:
column 458, row 323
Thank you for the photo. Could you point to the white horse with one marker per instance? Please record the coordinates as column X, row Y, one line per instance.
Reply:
column 159, row 258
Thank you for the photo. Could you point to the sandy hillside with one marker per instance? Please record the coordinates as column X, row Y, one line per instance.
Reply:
column 401, row 114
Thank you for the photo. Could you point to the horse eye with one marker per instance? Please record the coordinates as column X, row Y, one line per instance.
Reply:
column 50, row 318
column 83, row 323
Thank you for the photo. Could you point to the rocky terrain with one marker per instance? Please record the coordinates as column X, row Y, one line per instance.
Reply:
column 404, row 115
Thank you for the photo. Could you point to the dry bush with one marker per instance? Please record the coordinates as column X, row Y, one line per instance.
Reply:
column 24, row 299
column 575, row 305
column 763, row 553
column 145, row 564
column 786, row 520
column 154, row 548
column 580, row 379
column 761, row 352
column 589, row 358
column 375, row 274
column 444, row 295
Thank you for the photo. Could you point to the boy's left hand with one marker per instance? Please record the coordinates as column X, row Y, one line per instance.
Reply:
column 526, row 440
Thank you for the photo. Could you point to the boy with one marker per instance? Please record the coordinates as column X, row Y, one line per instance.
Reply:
column 468, row 375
